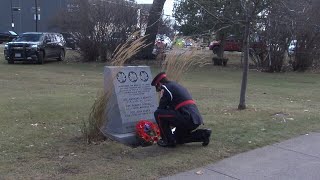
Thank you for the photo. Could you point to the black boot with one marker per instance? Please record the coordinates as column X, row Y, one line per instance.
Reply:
column 164, row 143
column 206, row 137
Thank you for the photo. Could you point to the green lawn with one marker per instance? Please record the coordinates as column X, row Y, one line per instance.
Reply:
column 43, row 106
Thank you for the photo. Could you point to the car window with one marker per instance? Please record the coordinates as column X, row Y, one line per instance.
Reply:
column 46, row 38
column 52, row 38
column 59, row 38
column 29, row 37
column 13, row 33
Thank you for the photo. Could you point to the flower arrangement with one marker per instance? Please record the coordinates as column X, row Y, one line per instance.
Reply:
column 148, row 132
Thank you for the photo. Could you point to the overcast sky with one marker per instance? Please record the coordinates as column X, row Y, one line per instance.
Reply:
column 168, row 6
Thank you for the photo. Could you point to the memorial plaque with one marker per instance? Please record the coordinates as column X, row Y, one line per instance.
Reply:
column 132, row 99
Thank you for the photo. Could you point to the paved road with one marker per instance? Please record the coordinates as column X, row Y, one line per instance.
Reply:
column 294, row 159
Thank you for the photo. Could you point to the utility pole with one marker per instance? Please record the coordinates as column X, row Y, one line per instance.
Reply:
column 36, row 8
column 12, row 24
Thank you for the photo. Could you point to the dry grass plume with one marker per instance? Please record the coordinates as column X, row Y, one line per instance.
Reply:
column 176, row 64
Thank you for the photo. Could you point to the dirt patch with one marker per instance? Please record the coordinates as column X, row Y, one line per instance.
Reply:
column 69, row 170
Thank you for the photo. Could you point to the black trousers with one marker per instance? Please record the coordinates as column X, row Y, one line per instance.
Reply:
column 184, row 132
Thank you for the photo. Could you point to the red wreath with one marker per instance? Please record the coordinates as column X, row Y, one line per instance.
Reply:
column 147, row 132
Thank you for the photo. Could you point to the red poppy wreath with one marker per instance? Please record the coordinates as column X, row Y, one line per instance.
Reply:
column 148, row 132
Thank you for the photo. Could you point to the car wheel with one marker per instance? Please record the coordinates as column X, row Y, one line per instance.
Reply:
column 40, row 57
column 10, row 61
column 73, row 47
column 61, row 55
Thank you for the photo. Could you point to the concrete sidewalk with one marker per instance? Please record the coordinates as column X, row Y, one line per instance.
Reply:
column 294, row 159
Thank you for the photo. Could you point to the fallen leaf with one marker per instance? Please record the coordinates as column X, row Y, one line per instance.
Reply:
column 200, row 172
column 34, row 125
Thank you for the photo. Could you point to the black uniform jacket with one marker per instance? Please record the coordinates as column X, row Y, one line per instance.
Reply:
column 176, row 97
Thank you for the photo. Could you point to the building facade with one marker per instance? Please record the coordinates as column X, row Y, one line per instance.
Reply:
column 20, row 15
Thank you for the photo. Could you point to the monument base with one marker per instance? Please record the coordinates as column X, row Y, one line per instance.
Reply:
column 127, row 138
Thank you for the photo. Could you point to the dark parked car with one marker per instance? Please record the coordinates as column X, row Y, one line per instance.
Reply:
column 70, row 39
column 7, row 36
column 35, row 46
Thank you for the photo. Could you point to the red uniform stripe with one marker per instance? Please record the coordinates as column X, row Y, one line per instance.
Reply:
column 184, row 103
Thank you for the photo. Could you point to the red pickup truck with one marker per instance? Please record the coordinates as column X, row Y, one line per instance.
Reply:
column 234, row 44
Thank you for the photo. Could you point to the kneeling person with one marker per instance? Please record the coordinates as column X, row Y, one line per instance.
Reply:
column 177, row 109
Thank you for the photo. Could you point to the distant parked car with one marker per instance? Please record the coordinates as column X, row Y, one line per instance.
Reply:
column 70, row 39
column 165, row 39
column 292, row 47
column 188, row 43
column 7, row 36
column 234, row 44
column 35, row 46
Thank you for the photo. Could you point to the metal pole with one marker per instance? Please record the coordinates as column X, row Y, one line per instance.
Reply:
column 12, row 25
column 36, row 7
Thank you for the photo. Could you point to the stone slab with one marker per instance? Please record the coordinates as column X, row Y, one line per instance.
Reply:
column 294, row 159
column 306, row 144
column 126, row 138
column 269, row 162
column 132, row 99
column 303, row 171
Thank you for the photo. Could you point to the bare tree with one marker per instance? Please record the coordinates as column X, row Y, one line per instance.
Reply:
column 99, row 26
column 166, row 27
column 233, row 15
column 155, row 16
column 307, row 34
column 250, row 9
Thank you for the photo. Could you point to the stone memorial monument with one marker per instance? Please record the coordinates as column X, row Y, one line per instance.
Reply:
column 132, row 99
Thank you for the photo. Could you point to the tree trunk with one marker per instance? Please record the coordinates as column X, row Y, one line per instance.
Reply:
column 242, row 104
column 222, row 38
column 154, row 19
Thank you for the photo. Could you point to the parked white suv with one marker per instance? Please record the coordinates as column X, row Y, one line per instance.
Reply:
column 292, row 47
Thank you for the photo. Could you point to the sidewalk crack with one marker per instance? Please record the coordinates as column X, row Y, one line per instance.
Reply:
column 295, row 151
column 223, row 174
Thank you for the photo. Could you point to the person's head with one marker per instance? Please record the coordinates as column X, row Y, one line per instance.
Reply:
column 160, row 79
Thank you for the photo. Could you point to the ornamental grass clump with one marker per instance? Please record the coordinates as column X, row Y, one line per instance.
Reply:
column 176, row 64
column 91, row 128
column 98, row 115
